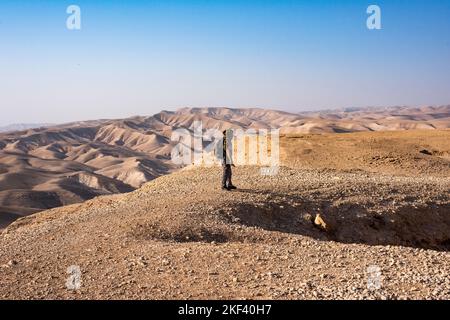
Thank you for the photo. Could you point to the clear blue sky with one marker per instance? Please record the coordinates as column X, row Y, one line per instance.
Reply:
column 138, row 57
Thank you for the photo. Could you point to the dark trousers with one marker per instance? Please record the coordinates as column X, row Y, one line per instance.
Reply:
column 226, row 177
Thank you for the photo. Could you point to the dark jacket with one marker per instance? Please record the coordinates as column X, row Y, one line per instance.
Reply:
column 227, row 151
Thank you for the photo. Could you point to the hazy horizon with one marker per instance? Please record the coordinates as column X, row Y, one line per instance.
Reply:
column 134, row 58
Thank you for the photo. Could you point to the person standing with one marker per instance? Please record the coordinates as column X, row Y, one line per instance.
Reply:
column 227, row 160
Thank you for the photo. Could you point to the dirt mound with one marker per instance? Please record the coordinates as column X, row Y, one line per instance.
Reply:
column 425, row 226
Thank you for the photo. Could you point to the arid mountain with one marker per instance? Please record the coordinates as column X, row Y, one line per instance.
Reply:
column 44, row 168
column 376, row 119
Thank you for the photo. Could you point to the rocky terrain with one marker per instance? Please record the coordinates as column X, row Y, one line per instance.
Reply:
column 300, row 234
column 43, row 168
column 340, row 207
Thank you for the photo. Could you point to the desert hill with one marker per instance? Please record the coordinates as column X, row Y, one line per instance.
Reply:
column 180, row 236
column 340, row 204
column 42, row 168
column 376, row 119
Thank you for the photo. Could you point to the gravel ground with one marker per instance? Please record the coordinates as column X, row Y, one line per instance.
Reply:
column 181, row 236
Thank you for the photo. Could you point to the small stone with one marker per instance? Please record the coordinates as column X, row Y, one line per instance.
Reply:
column 324, row 223
column 11, row 263
column 165, row 262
